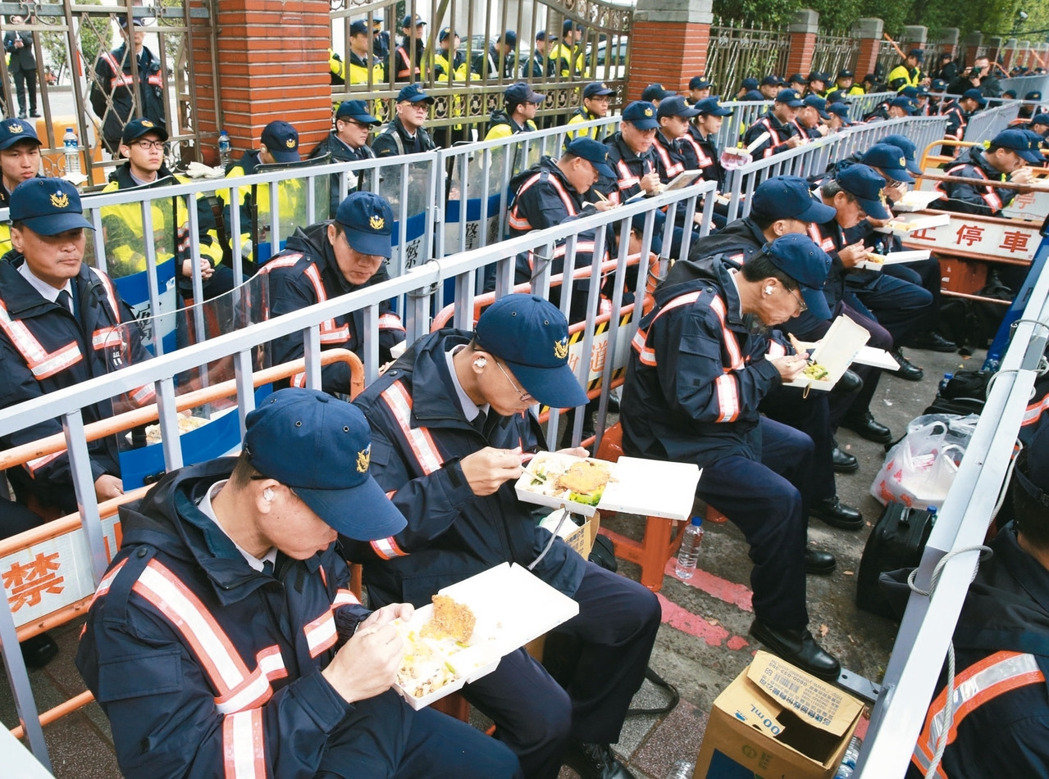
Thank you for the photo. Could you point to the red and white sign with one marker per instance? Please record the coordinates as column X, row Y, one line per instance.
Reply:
column 980, row 237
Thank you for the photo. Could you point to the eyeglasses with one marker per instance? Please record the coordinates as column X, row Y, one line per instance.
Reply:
column 150, row 145
column 525, row 397
column 799, row 301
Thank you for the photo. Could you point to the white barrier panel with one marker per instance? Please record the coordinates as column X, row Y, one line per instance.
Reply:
column 987, row 123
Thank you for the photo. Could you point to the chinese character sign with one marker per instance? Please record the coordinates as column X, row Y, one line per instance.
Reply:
column 966, row 235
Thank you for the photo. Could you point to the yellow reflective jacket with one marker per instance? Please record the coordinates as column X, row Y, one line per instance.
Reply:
column 291, row 203
column 569, row 62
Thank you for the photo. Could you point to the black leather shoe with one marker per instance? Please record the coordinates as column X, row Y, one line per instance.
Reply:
column 798, row 647
column 844, row 462
column 907, row 370
column 837, row 514
column 819, row 563
column 595, row 761
column 38, row 651
column 850, row 381
column 868, row 427
column 931, row 341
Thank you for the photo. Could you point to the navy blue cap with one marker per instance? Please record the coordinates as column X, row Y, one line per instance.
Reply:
column 772, row 80
column 817, row 102
column 748, row 83
column 509, row 38
column 407, row 20
column 1036, row 95
column 788, row 197
column 909, row 91
column 641, row 114
column 593, row 152
column 521, row 92
column 283, row 438
column 939, row 85
column 905, row 103
column 676, row 106
column 1024, row 142
column 568, row 24
column 1009, row 93
column 837, row 96
column 543, row 35
column 47, row 206
column 367, row 220
column 654, row 92
column 839, row 109
column 867, row 186
column 710, row 106
column 906, row 145
column 796, row 78
column 1036, row 119
column 817, row 76
column 14, row 130
column 790, row 97
column 799, row 257
column 698, row 82
column 845, row 73
column 136, row 128
column 890, row 160
column 753, row 95
column 918, row 54
column 413, row 93
column 136, row 22
column 923, row 92
column 445, row 34
column 596, row 89
column 530, row 334
column 360, row 27
column 356, row 110
column 975, row 94
column 282, row 141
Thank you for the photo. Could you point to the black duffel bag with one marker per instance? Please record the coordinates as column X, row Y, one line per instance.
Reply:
column 897, row 541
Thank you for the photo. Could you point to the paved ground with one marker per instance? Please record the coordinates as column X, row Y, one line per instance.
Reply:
column 702, row 644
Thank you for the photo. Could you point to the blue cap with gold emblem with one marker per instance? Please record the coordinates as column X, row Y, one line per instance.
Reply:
column 530, row 334
column 283, row 438
column 367, row 220
column 137, row 128
column 13, row 131
column 47, row 206
column 282, row 141
column 641, row 114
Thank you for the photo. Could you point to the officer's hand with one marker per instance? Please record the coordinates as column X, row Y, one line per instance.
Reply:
column 367, row 664
column 386, row 615
column 574, row 451
column 878, row 222
column 794, row 141
column 488, row 469
column 893, row 194
column 1020, row 175
column 853, row 254
column 650, row 183
column 108, row 487
column 789, row 366
column 604, row 205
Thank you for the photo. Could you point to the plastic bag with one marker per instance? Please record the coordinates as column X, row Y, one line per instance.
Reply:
column 919, row 470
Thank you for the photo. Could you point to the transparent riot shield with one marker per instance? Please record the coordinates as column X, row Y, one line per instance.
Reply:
column 408, row 186
column 300, row 202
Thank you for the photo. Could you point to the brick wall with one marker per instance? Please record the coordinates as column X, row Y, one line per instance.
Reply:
column 666, row 53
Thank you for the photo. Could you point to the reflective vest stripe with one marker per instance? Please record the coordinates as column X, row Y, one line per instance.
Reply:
column 399, row 402
column 120, row 78
column 704, row 160
column 728, row 397
column 990, row 194
column 774, row 139
column 243, row 746
column 979, row 683
column 627, row 178
column 646, row 354
column 717, row 305
column 390, row 322
column 515, row 220
column 41, row 362
column 256, row 689
column 776, row 349
column 1035, row 411
column 329, row 332
column 155, row 80
column 35, row 465
column 111, row 293
column 563, row 194
column 107, row 581
column 825, row 242
column 107, row 337
column 387, row 548
column 673, row 168
column 344, row 598
column 321, row 633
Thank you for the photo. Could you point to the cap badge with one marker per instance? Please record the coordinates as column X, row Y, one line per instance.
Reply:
column 376, row 222
column 364, row 457
column 146, row 123
column 561, row 348
column 903, row 162
column 648, row 112
column 60, row 200
column 14, row 127
column 290, row 143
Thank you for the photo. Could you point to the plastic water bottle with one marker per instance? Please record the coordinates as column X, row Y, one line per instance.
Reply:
column 72, row 150
column 688, row 552
column 225, row 149
column 848, row 762
column 682, row 769
column 945, row 381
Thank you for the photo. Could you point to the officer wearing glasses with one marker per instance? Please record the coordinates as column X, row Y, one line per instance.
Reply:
column 333, row 258
column 348, row 142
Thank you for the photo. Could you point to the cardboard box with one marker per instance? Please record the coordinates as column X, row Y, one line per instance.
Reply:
column 579, row 537
column 776, row 721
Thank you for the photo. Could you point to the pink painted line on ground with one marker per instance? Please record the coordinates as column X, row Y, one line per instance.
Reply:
column 722, row 589
column 684, row 620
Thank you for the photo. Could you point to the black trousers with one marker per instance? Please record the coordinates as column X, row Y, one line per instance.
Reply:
column 25, row 80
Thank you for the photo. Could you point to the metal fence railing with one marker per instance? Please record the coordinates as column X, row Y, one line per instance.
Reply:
column 1024, row 84
column 987, row 123
column 739, row 49
column 834, row 52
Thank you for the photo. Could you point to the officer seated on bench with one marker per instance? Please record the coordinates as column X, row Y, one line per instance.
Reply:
column 696, row 375
column 224, row 638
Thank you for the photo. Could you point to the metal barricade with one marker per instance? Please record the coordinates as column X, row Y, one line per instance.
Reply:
column 417, row 285
column 1024, row 84
column 744, row 114
column 861, row 105
column 987, row 123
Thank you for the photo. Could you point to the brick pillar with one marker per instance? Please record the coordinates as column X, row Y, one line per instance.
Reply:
column 948, row 41
column 868, row 32
column 913, row 37
column 971, row 45
column 803, row 31
column 668, row 45
column 272, row 63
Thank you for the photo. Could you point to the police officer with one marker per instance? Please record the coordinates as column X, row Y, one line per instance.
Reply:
column 65, row 324
column 656, row 93
column 499, row 60
column 595, row 106
column 567, row 55
column 811, row 116
column 333, row 258
column 348, row 142
column 839, row 117
column 749, row 84
column 408, row 56
column 19, row 161
column 406, row 134
column 540, row 65
column 114, row 91
column 695, row 377
column 1007, row 158
column 959, row 112
column 229, row 613
column 771, row 86
column 631, row 155
column 451, row 471
column 816, row 83
column 22, row 66
column 847, row 84
column 363, row 66
column 674, row 155
column 908, row 73
column 521, row 103
column 778, row 124
column 702, row 136
column 698, row 89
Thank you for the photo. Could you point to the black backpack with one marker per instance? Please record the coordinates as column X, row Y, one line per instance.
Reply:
column 973, row 323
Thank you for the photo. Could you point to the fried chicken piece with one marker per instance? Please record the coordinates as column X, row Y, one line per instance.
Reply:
column 450, row 620
column 584, row 478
